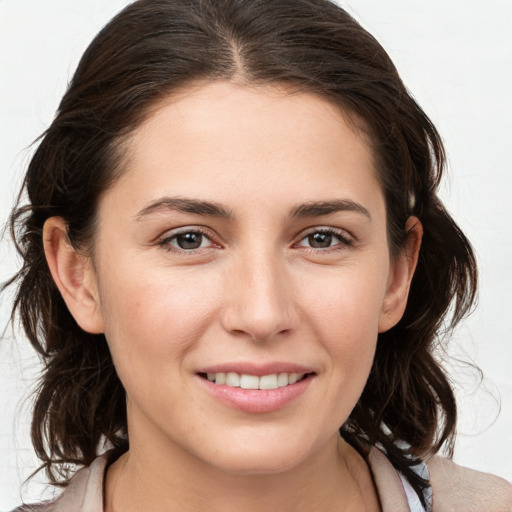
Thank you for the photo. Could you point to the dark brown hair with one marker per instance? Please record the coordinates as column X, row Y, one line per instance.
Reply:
column 156, row 47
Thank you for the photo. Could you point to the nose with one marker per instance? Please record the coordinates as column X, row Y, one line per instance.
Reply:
column 259, row 300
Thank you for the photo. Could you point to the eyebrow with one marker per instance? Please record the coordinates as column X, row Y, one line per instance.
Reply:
column 212, row 209
column 319, row 208
column 185, row 205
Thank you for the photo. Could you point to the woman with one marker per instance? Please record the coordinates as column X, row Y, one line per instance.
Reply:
column 245, row 267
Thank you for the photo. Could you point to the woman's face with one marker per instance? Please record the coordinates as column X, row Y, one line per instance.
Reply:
column 246, row 244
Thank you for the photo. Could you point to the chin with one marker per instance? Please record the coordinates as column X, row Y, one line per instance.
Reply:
column 264, row 464
column 259, row 455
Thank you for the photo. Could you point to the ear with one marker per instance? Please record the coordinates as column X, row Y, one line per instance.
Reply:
column 401, row 273
column 74, row 275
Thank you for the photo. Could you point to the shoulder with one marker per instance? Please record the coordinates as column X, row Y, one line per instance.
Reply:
column 395, row 494
column 456, row 488
column 83, row 494
column 453, row 488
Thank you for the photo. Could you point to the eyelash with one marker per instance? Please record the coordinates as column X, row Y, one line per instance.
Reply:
column 166, row 242
column 345, row 241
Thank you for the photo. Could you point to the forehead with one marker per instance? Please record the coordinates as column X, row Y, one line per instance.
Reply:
column 220, row 138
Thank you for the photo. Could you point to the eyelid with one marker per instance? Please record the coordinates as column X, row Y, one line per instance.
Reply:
column 346, row 239
column 166, row 238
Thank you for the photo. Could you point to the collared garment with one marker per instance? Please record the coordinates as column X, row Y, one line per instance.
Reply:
column 453, row 488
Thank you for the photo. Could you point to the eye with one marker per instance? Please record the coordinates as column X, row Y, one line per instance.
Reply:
column 326, row 238
column 187, row 241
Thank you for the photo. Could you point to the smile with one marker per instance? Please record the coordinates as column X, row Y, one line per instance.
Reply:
column 246, row 381
column 255, row 389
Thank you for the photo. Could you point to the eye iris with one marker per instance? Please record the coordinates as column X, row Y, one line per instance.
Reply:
column 189, row 240
column 320, row 240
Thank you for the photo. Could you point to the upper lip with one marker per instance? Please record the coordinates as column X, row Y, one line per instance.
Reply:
column 248, row 368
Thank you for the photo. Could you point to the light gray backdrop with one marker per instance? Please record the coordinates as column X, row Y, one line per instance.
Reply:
column 456, row 58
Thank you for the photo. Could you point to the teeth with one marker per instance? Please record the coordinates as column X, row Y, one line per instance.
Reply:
column 269, row 381
column 293, row 378
column 249, row 381
column 233, row 379
column 244, row 381
column 283, row 379
column 218, row 378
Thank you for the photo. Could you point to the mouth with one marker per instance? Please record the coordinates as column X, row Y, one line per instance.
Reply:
column 257, row 387
column 255, row 382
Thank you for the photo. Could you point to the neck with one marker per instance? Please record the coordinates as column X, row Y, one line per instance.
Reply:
column 335, row 478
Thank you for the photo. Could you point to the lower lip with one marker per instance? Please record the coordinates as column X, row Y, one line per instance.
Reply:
column 254, row 400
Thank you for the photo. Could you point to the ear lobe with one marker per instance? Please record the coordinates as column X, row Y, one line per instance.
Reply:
column 73, row 275
column 402, row 271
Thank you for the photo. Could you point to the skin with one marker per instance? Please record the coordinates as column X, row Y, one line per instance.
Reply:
column 258, row 289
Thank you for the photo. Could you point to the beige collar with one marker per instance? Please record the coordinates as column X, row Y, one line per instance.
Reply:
column 85, row 491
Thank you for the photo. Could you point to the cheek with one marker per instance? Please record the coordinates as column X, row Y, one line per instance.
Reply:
column 347, row 303
column 152, row 319
column 344, row 313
